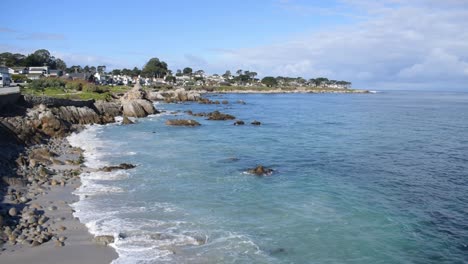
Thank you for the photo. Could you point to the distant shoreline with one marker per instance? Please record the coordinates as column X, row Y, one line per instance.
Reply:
column 281, row 91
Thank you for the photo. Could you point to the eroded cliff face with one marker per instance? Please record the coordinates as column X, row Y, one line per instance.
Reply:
column 41, row 119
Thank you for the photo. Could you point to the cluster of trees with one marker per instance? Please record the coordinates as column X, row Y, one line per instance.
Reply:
column 158, row 69
column 320, row 81
column 153, row 68
column 40, row 57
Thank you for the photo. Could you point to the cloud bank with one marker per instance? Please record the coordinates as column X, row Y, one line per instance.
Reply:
column 391, row 45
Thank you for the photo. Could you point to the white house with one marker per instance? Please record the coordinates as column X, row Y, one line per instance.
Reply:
column 39, row 70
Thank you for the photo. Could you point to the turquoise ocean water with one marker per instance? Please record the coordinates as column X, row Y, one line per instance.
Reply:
column 370, row 178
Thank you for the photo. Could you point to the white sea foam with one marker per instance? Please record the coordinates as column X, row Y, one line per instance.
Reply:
column 139, row 239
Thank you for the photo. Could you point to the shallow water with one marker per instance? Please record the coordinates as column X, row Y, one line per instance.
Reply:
column 375, row 178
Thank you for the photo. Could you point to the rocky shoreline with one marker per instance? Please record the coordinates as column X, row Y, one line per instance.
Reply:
column 39, row 171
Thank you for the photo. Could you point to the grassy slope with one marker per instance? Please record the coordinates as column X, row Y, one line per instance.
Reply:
column 82, row 95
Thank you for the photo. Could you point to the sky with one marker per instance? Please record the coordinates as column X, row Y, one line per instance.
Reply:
column 387, row 44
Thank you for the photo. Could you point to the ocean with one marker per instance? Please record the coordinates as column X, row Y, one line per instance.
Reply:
column 358, row 178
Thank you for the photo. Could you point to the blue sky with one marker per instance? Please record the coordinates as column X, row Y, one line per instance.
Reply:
column 388, row 44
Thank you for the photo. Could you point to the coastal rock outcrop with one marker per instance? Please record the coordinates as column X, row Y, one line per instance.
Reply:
column 135, row 103
column 239, row 123
column 182, row 122
column 127, row 121
column 256, row 123
column 104, row 240
column 177, row 95
column 216, row 115
column 122, row 166
column 111, row 108
column 260, row 171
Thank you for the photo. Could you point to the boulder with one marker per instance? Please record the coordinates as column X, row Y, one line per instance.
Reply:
column 138, row 108
column 122, row 166
column 260, row 171
column 173, row 96
column 42, row 155
column 127, row 121
column 13, row 212
column 104, row 240
column 239, row 123
column 182, row 122
column 256, row 123
column 216, row 115
column 108, row 108
column 136, row 104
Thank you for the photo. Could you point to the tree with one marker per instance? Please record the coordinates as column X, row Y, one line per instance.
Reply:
column 200, row 73
column 239, row 72
column 253, row 75
column 321, row 81
column 155, row 68
column 60, row 64
column 187, row 71
column 116, row 72
column 126, row 72
column 136, row 71
column 227, row 74
column 101, row 69
column 269, row 81
column 179, row 72
column 170, row 79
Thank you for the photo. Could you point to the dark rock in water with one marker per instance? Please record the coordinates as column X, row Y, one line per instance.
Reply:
column 239, row 123
column 182, row 122
column 122, row 236
column 225, row 102
column 104, row 240
column 122, row 166
column 261, row 171
column 216, row 115
column 127, row 121
column 228, row 160
column 256, row 123
column 278, row 251
column 240, row 102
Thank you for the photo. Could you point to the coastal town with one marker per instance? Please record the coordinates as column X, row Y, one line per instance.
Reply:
column 41, row 64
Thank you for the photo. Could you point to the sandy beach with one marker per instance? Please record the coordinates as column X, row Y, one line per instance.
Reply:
column 72, row 243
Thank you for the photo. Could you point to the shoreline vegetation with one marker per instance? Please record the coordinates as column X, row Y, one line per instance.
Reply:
column 40, row 169
column 81, row 90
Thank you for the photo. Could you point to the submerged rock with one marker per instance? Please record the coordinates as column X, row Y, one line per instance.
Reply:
column 256, row 123
column 260, row 171
column 122, row 166
column 127, row 121
column 182, row 122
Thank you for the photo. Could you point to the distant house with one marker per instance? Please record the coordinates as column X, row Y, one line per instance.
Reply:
column 77, row 76
column 39, row 70
column 55, row 73
column 18, row 70
column 35, row 73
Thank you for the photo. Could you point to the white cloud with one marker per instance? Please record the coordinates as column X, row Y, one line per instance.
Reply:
column 422, row 42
